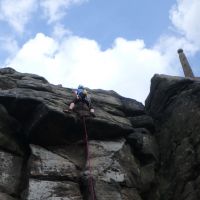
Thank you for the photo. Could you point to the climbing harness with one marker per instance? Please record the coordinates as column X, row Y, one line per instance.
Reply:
column 90, row 180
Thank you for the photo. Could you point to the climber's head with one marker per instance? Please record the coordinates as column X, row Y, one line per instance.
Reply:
column 80, row 87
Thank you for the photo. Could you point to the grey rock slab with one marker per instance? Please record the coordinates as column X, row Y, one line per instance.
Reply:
column 102, row 148
column 52, row 190
column 105, row 191
column 132, row 107
column 190, row 191
column 165, row 90
column 130, row 166
column 8, row 143
column 107, row 97
column 8, row 128
column 4, row 196
column 185, row 159
column 144, row 144
column 102, row 162
column 10, row 172
column 74, row 152
column 113, row 161
column 110, row 191
column 148, row 176
column 142, row 121
column 130, row 194
column 44, row 163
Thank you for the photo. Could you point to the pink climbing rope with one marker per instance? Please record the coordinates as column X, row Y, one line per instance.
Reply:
column 90, row 180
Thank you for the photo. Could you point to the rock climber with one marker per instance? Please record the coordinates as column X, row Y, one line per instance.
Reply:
column 81, row 96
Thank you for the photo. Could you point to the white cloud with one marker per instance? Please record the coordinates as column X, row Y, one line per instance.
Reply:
column 127, row 67
column 54, row 10
column 59, row 31
column 185, row 17
column 17, row 14
column 37, row 56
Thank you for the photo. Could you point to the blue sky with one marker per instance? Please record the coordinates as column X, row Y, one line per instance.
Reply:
column 127, row 18
column 114, row 45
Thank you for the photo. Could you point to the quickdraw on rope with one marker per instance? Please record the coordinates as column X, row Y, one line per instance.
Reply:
column 90, row 180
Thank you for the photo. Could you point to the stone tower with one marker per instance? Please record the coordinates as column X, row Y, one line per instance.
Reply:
column 185, row 64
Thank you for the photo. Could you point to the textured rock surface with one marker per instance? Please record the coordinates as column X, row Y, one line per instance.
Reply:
column 113, row 168
column 30, row 95
column 136, row 153
column 43, row 150
column 44, row 163
column 58, row 190
column 133, row 155
column 8, row 129
column 4, row 196
column 174, row 103
column 10, row 172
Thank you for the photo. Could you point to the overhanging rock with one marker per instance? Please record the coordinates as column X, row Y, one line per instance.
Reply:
column 39, row 106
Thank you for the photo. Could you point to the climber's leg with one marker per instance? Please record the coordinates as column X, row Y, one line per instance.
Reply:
column 72, row 105
column 88, row 103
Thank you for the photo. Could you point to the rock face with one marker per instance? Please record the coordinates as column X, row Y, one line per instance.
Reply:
column 132, row 152
column 43, row 154
column 174, row 103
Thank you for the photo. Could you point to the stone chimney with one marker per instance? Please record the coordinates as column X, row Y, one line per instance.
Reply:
column 185, row 64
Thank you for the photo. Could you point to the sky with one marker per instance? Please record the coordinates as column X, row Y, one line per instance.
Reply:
column 102, row 44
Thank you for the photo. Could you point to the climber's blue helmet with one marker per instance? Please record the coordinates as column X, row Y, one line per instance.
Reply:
column 80, row 87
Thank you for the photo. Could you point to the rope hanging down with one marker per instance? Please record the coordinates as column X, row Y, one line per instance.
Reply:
column 90, row 180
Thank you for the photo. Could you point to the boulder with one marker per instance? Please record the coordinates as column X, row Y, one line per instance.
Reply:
column 173, row 102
